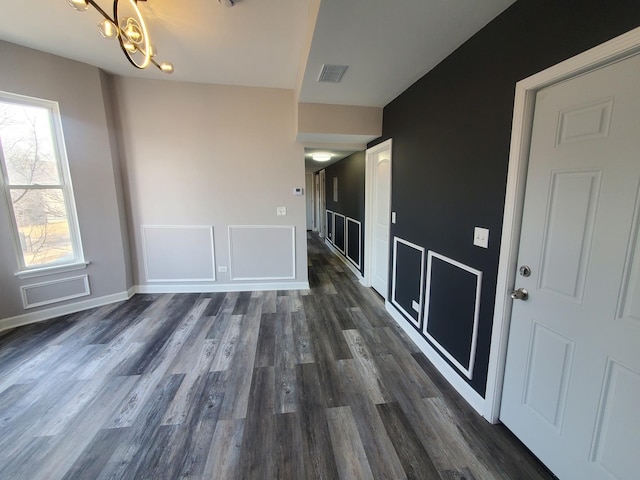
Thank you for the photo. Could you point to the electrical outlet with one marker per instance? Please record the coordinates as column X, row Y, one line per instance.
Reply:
column 222, row 269
column 281, row 211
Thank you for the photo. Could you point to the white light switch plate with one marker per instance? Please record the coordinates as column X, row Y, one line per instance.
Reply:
column 416, row 306
column 481, row 237
column 281, row 211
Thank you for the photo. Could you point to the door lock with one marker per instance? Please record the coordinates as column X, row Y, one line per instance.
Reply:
column 520, row 294
column 525, row 270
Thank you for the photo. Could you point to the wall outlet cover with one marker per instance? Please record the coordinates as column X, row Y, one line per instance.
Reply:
column 416, row 306
column 481, row 237
column 281, row 211
column 222, row 269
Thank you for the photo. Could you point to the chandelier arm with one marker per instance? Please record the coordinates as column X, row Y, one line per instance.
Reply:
column 100, row 10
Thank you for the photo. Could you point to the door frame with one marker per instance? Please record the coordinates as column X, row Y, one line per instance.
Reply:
column 321, row 203
column 368, row 206
column 609, row 52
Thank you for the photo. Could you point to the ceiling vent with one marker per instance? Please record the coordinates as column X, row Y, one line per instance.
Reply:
column 332, row 73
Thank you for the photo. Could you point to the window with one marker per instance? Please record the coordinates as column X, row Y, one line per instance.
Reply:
column 35, row 177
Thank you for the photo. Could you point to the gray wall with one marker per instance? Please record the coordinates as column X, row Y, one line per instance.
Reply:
column 78, row 90
column 197, row 155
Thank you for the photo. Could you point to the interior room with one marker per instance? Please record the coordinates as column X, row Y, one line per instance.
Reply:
column 319, row 239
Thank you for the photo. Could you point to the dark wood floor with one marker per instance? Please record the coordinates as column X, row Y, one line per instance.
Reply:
column 265, row 385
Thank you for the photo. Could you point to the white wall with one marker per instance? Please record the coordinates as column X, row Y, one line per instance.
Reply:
column 209, row 155
column 78, row 90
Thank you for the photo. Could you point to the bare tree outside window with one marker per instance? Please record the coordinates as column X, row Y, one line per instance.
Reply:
column 35, row 184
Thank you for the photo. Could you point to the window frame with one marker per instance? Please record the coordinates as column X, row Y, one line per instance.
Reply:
column 65, row 186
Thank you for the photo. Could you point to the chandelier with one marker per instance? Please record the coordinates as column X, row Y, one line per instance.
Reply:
column 131, row 32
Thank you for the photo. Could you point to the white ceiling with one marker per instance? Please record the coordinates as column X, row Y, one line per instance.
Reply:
column 387, row 44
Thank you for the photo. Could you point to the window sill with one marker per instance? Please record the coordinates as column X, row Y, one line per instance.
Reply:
column 40, row 272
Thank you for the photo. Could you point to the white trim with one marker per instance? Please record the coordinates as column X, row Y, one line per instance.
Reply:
column 25, row 288
column 346, row 241
column 344, row 260
column 41, row 272
column 49, row 313
column 326, row 221
column 368, row 204
column 184, row 227
column 65, row 184
column 344, row 232
column 293, row 252
column 236, row 287
column 451, row 375
column 597, row 57
column 468, row 372
column 397, row 240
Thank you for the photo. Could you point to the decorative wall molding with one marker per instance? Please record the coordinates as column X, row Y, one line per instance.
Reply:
column 53, row 312
column 356, row 261
column 336, row 221
column 178, row 253
column 75, row 287
column 394, row 302
column 262, row 252
column 467, row 371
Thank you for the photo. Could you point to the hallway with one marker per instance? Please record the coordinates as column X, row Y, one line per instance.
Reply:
column 264, row 385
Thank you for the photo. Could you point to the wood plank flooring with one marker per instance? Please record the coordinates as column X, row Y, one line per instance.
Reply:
column 318, row 384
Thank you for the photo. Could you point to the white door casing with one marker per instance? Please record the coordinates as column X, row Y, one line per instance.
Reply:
column 597, row 57
column 377, row 216
column 572, row 378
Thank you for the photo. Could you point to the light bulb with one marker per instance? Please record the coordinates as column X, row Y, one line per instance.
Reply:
column 128, row 46
column 107, row 29
column 79, row 5
column 166, row 67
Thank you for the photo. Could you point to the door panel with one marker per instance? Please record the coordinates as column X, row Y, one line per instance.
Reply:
column 572, row 380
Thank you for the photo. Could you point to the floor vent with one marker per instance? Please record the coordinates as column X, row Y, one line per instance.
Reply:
column 332, row 73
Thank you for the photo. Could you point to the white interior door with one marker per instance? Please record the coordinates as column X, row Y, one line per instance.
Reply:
column 381, row 211
column 321, row 204
column 572, row 379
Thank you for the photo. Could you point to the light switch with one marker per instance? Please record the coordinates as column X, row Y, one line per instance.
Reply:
column 481, row 237
column 393, row 217
column 415, row 305
column 281, row 211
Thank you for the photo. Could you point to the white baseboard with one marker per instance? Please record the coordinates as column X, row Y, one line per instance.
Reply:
column 235, row 287
column 345, row 260
column 49, row 313
column 472, row 397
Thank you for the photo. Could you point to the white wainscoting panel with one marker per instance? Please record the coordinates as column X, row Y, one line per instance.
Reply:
column 178, row 253
column 354, row 257
column 53, row 291
column 394, row 299
column 467, row 370
column 262, row 252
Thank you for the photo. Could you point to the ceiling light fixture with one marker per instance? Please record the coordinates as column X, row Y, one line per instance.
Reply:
column 321, row 156
column 131, row 32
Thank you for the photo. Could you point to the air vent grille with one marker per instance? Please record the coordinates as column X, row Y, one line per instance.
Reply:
column 332, row 73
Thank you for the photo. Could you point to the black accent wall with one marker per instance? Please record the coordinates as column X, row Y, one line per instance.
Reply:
column 451, row 133
column 350, row 172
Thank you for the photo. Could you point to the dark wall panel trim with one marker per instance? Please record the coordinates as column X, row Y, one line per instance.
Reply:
column 452, row 310
column 398, row 293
